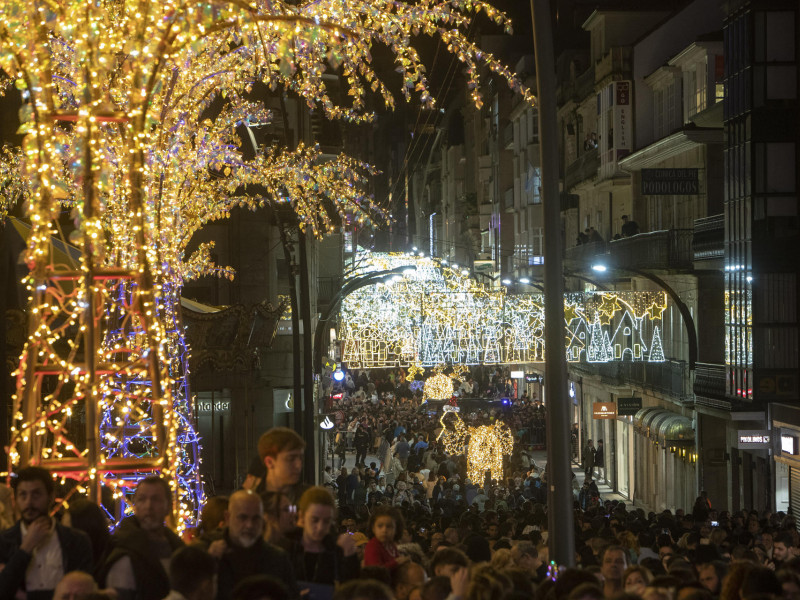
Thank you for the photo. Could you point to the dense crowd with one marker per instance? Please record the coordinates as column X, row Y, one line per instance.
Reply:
column 408, row 525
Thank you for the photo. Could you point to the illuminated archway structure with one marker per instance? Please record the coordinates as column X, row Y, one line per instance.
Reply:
column 437, row 314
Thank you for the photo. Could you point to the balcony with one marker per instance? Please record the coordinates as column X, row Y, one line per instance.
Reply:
column 569, row 201
column 578, row 88
column 484, row 167
column 225, row 343
column 664, row 250
column 327, row 288
column 709, row 238
column 617, row 61
column 582, row 257
column 668, row 377
column 582, row 169
column 709, row 385
column 508, row 200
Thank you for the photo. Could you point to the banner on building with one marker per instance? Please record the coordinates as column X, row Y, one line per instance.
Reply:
column 753, row 439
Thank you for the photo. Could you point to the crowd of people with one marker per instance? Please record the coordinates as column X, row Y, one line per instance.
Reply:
column 408, row 525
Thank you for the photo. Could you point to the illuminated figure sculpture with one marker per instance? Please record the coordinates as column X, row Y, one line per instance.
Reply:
column 486, row 445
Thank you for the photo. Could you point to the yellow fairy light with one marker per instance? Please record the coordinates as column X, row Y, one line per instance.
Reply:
column 438, row 387
column 486, row 445
column 115, row 100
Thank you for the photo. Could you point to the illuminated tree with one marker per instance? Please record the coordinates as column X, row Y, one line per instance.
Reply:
column 129, row 120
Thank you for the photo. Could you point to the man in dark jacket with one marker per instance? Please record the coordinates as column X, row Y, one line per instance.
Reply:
column 242, row 551
column 138, row 563
column 361, row 442
column 600, row 460
column 36, row 551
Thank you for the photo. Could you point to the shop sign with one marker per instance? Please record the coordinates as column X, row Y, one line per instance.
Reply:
column 531, row 378
column 604, row 410
column 628, row 406
column 670, row 182
column 789, row 444
column 218, row 406
column 753, row 439
column 517, row 374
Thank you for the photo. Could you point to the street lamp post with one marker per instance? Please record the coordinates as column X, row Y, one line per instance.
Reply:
column 310, row 413
column 560, row 517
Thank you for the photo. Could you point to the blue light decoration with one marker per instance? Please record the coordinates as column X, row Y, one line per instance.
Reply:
column 416, row 385
column 128, row 431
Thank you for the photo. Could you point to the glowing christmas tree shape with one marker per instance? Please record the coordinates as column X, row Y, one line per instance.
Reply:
column 656, row 349
column 596, row 351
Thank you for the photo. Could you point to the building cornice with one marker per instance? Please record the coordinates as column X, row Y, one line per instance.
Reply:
column 670, row 146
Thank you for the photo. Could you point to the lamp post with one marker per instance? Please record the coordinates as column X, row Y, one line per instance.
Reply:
column 348, row 288
column 559, row 515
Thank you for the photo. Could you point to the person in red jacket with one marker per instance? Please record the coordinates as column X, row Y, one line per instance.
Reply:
column 386, row 525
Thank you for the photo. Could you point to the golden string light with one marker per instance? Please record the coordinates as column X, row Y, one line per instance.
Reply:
column 438, row 387
column 486, row 445
column 130, row 116
column 435, row 314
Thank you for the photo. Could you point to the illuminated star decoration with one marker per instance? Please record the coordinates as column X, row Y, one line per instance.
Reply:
column 415, row 370
column 608, row 308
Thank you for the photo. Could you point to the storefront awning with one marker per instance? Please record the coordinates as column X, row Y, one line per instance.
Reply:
column 676, row 430
column 638, row 418
column 662, row 416
column 648, row 419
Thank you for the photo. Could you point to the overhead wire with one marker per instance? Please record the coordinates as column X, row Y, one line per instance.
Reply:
column 410, row 149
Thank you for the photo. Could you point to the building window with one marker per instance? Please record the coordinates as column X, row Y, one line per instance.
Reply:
column 533, row 127
column 694, row 81
column 533, row 186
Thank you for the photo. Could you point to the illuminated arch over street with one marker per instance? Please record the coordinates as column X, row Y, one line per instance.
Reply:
column 435, row 314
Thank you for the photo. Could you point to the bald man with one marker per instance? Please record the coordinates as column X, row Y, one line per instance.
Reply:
column 75, row 586
column 241, row 548
column 407, row 577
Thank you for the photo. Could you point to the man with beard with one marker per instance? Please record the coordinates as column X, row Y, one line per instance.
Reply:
column 36, row 551
column 137, row 566
column 242, row 551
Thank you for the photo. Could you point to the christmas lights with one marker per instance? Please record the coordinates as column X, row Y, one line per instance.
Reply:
column 437, row 315
column 438, row 387
column 130, row 115
column 486, row 445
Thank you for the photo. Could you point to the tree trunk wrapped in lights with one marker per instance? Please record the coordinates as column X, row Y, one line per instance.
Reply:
column 130, row 111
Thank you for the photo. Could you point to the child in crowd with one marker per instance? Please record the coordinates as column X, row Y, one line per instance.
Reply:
column 386, row 525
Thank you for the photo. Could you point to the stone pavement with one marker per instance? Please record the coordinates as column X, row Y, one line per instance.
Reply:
column 606, row 492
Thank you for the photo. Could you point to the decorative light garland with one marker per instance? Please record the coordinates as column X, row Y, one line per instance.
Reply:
column 437, row 315
column 116, row 97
